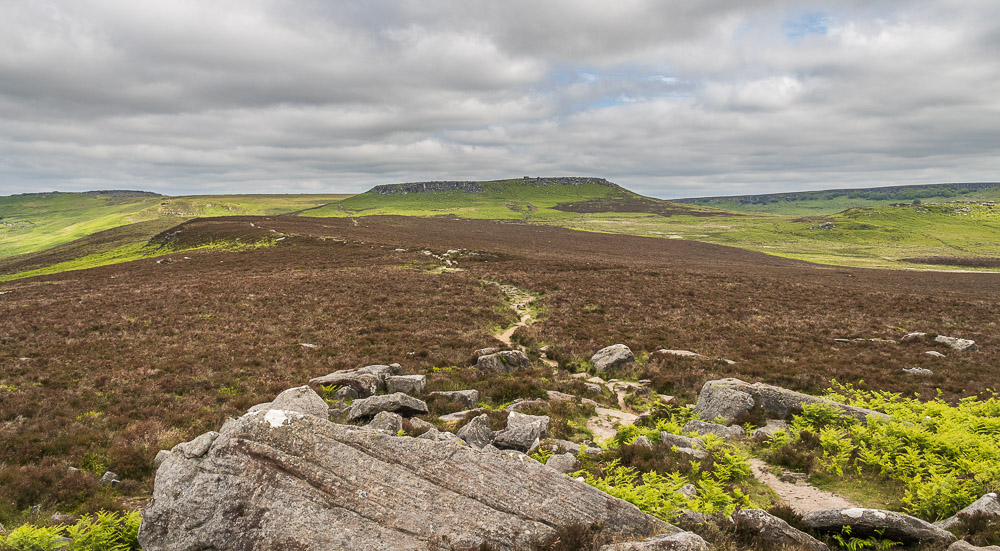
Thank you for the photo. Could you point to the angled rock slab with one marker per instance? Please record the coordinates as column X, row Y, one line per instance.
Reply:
column 864, row 522
column 400, row 403
column 464, row 398
column 284, row 480
column 303, row 400
column 477, row 432
column 774, row 531
column 683, row 541
column 772, row 401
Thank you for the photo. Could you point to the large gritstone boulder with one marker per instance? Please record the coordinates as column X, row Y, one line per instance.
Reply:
column 365, row 381
column 507, row 361
column 616, row 356
column 775, row 532
column 865, row 523
column 400, row 403
column 284, row 480
column 730, row 399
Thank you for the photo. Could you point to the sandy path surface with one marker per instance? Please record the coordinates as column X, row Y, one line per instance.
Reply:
column 802, row 498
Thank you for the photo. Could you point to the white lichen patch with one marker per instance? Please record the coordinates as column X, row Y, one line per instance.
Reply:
column 279, row 417
column 853, row 513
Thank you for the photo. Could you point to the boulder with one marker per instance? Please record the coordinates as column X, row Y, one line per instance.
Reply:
column 688, row 490
column 962, row 545
column 485, row 352
column 477, row 432
column 692, row 453
column 683, row 541
column 197, row 447
column 420, row 425
column 772, row 401
column 988, row 505
column 913, row 337
column 404, row 404
column 346, row 393
column 962, row 345
column 923, row 372
column 109, row 479
column 564, row 463
column 515, row 420
column 616, row 356
column 464, row 398
column 284, row 480
column 864, row 522
column 642, row 442
column 303, row 400
column 387, row 421
column 523, row 438
column 507, row 361
column 721, row 400
column 722, row 431
column 407, row 384
column 679, row 441
column 774, row 532
column 765, row 433
column 366, row 381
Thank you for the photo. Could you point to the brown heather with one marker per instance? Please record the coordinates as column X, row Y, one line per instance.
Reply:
column 125, row 360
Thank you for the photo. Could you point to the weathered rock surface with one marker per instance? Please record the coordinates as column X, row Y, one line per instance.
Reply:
column 407, row 384
column 680, row 441
column 864, row 522
column 283, row 480
column 774, row 531
column 723, row 400
column 523, row 438
column 477, row 432
column 722, row 431
column 485, row 352
column 643, row 442
column 765, row 433
column 683, row 541
column 988, row 505
column 962, row 545
column 507, row 361
column 464, row 398
column 303, row 400
column 442, row 436
column 616, row 356
column 772, row 401
column 962, row 345
column 522, row 405
column 366, row 381
column 516, row 420
column 387, row 421
column 564, row 463
column 400, row 403
column 459, row 415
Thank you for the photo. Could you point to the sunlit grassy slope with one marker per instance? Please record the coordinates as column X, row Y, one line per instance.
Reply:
column 30, row 223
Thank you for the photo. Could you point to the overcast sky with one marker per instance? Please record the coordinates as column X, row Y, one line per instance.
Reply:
column 669, row 98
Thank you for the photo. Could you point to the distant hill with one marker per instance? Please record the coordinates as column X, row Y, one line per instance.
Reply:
column 806, row 203
column 527, row 198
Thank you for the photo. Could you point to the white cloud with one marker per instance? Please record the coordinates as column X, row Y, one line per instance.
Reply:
column 671, row 98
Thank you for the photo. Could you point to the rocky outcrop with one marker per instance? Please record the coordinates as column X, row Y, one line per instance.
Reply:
column 731, row 399
column 284, row 480
column 427, row 187
column 564, row 463
column 366, row 381
column 774, row 532
column 864, row 523
column 616, row 356
column 684, row 541
column 988, row 505
column 507, row 361
column 400, row 403
column 407, row 384
column 477, row 432
column 464, row 398
column 524, row 433
column 962, row 545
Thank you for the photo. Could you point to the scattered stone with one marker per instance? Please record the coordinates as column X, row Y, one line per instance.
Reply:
column 616, row 356
column 485, row 352
column 642, row 442
column 962, row 345
column 303, row 400
column 596, row 380
column 367, row 381
column 308, row 345
column 722, row 431
column 403, row 404
column 676, row 440
column 988, row 505
column 413, row 385
column 523, row 432
column 556, row 396
column 864, row 522
column 464, row 398
column 109, row 479
column 793, row 477
column 557, row 446
column 63, row 518
column 774, row 531
column 918, row 371
column 477, row 432
column 340, row 488
column 772, row 401
column 765, row 433
column 720, row 399
column 161, row 456
column 459, row 415
column 688, row 490
column 912, row 337
column 507, row 361
column 683, row 541
column 682, row 353
column 387, row 421
column 564, row 463
column 591, row 387
column 934, row 353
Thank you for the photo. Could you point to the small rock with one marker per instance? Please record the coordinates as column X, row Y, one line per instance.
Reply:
column 521, row 405
column 403, row 404
column 477, row 432
column 918, row 371
column 676, row 440
column 303, row 400
column 109, row 479
column 556, row 396
column 308, row 345
column 722, row 431
column 962, row 345
column 682, row 353
column 934, row 353
column 683, row 541
column 464, row 398
column 692, row 453
column 596, row 389
column 911, row 337
column 63, row 518
column 776, row 532
column 507, row 361
column 346, row 393
column 642, row 442
column 596, row 381
column 616, row 356
column 387, row 421
column 689, row 490
column 197, row 447
column 419, row 425
column 564, row 463
column 793, row 477
column 690, row 520
column 413, row 385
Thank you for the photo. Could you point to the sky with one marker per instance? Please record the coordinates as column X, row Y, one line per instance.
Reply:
column 670, row 98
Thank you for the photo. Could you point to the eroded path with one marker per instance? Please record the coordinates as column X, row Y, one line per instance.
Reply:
column 802, row 498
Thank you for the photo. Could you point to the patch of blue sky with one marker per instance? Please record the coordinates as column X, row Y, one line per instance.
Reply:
column 806, row 24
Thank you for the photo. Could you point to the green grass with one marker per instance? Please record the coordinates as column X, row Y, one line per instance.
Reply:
column 31, row 223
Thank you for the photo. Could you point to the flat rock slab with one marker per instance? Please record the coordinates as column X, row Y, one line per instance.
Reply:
column 284, row 480
column 864, row 523
column 400, row 403
column 731, row 399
